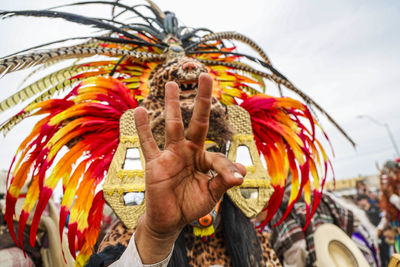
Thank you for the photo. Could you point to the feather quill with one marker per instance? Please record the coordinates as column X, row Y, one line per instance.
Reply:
column 15, row 63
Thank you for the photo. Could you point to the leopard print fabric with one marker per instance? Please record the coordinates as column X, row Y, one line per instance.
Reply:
column 199, row 253
column 185, row 72
column 182, row 70
column 213, row 252
column 117, row 234
column 270, row 257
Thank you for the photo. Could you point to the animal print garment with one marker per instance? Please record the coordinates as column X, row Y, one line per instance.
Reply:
column 199, row 253
column 185, row 72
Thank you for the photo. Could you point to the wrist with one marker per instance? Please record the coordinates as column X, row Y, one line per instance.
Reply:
column 153, row 246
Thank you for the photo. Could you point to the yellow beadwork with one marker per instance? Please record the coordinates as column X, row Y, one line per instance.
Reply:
column 203, row 231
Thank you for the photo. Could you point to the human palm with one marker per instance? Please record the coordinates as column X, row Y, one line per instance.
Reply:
column 179, row 188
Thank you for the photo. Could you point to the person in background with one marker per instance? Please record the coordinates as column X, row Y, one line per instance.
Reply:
column 372, row 211
column 295, row 247
column 361, row 188
column 365, row 234
column 388, row 228
column 364, row 190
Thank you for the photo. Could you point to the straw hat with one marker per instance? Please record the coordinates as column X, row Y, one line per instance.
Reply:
column 335, row 249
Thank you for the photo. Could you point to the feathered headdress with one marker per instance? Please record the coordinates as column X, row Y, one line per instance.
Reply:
column 94, row 93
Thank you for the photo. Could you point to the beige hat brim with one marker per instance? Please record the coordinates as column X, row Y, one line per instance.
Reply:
column 335, row 249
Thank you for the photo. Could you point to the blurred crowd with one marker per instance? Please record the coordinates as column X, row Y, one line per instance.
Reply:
column 383, row 210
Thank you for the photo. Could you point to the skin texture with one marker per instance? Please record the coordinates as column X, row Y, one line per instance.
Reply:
column 178, row 189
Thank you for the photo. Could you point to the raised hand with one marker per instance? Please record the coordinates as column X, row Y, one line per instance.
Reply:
column 179, row 188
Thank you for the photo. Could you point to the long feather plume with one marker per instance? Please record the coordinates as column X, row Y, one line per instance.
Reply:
column 69, row 118
column 21, row 62
column 39, row 86
column 69, row 17
column 114, row 4
column 287, row 145
column 235, row 36
column 287, row 84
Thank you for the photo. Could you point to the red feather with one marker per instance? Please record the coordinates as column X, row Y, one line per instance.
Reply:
column 277, row 120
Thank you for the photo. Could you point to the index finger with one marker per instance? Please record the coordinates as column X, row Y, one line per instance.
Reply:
column 149, row 147
column 198, row 126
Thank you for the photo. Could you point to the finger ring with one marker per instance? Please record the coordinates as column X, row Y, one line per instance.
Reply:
column 212, row 174
column 208, row 185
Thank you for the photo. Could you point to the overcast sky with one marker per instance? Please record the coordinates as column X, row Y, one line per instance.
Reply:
column 345, row 54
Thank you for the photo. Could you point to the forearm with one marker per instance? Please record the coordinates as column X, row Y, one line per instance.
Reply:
column 383, row 223
column 152, row 246
column 131, row 258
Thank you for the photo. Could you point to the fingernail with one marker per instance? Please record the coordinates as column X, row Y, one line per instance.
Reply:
column 238, row 175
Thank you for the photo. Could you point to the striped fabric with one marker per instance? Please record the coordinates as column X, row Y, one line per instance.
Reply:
column 365, row 243
column 290, row 231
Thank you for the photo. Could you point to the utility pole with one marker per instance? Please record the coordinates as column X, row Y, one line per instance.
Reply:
column 386, row 125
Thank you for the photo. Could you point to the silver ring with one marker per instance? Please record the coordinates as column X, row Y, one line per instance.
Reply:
column 213, row 174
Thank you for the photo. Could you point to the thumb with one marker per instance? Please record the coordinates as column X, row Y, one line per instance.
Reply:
column 229, row 174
